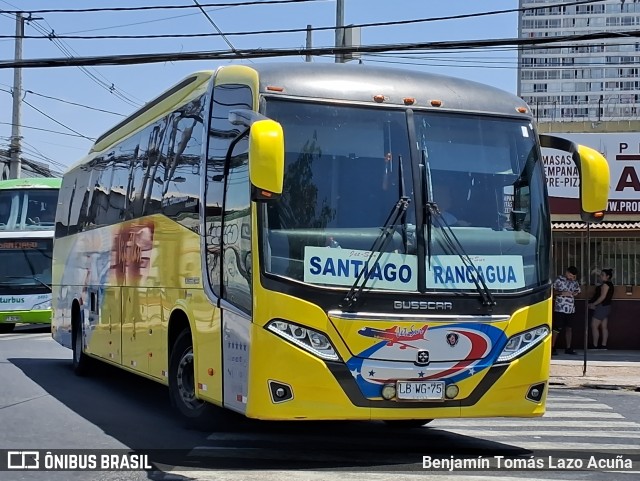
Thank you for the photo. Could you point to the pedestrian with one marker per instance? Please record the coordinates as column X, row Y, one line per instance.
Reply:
column 565, row 289
column 601, row 305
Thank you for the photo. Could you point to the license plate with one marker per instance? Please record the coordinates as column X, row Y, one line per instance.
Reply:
column 420, row 390
column 12, row 319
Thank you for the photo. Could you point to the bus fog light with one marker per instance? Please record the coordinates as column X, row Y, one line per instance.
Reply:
column 535, row 392
column 389, row 391
column 280, row 392
column 452, row 391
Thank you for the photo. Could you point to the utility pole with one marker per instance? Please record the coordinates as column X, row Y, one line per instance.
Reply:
column 14, row 165
column 339, row 29
column 308, row 56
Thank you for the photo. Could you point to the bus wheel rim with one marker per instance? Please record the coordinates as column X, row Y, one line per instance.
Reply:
column 186, row 381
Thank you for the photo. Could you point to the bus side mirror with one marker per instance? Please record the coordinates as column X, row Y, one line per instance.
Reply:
column 593, row 169
column 594, row 183
column 266, row 159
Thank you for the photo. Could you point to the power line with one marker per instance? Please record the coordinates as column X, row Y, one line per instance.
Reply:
column 137, row 59
column 74, row 103
column 66, row 101
column 295, row 30
column 123, row 25
column 224, row 37
column 63, row 48
column 66, row 50
column 172, row 7
column 47, row 130
column 431, row 64
column 37, row 153
column 62, row 145
column 56, row 121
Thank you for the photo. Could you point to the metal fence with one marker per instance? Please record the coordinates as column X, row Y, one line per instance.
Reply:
column 622, row 254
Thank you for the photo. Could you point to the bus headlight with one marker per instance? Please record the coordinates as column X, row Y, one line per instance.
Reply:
column 312, row 341
column 523, row 342
column 43, row 306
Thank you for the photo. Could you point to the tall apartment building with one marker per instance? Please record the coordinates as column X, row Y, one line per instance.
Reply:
column 594, row 81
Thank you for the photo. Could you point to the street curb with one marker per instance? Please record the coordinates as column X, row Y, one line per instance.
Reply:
column 612, row 387
column 593, row 385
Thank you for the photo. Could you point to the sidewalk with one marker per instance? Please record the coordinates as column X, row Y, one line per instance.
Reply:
column 605, row 370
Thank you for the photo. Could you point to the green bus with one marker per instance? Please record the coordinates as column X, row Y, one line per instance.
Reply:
column 27, row 224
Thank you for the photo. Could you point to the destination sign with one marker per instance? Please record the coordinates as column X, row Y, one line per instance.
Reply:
column 8, row 245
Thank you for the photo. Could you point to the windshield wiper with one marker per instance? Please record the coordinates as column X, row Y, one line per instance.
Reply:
column 431, row 210
column 30, row 277
column 399, row 212
column 377, row 248
column 455, row 246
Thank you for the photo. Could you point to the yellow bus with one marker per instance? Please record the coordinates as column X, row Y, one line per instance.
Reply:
column 318, row 242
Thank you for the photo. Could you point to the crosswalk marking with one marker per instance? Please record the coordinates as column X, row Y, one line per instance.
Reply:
column 567, row 405
column 572, row 423
column 534, row 434
column 531, row 424
column 571, row 398
column 582, row 414
column 13, row 337
column 307, row 475
column 589, row 447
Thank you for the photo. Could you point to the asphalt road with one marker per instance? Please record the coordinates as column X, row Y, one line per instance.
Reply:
column 44, row 406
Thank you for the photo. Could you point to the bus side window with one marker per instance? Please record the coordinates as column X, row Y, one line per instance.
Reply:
column 224, row 244
column 181, row 191
column 153, row 143
column 123, row 181
column 236, row 238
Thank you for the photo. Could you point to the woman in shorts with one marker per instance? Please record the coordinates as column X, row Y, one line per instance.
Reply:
column 601, row 304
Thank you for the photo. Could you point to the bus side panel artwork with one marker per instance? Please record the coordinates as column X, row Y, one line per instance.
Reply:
column 131, row 264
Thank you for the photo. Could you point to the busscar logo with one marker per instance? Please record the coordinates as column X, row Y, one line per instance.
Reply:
column 423, row 305
column 23, row 460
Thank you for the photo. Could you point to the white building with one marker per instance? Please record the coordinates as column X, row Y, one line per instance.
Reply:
column 594, row 81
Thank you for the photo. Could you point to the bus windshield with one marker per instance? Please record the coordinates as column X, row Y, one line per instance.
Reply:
column 27, row 209
column 343, row 176
column 26, row 263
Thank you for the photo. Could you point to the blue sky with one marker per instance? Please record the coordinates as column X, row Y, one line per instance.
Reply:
column 140, row 83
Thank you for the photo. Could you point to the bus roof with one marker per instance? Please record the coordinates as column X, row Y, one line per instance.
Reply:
column 31, row 183
column 331, row 81
column 361, row 83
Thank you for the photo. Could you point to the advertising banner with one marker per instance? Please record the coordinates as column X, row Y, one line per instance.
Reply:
column 622, row 151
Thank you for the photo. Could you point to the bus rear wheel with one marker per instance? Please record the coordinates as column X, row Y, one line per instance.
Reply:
column 182, row 386
column 80, row 361
column 408, row 423
column 6, row 327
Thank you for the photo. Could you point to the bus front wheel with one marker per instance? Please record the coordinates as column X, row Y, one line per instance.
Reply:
column 182, row 385
column 7, row 327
